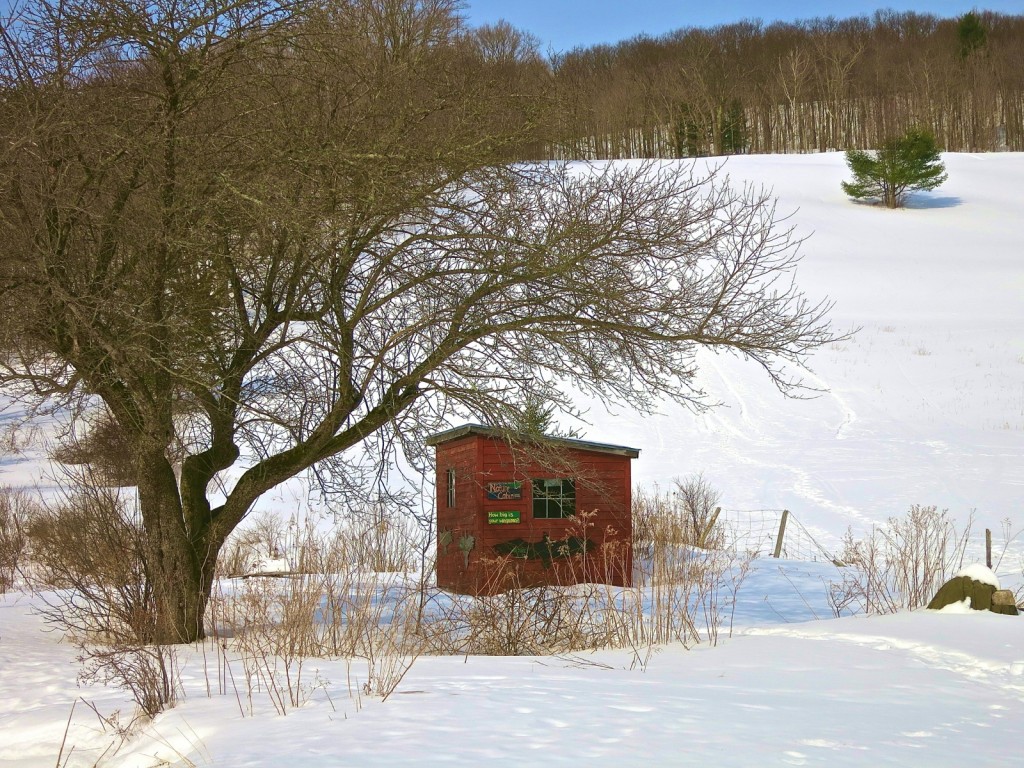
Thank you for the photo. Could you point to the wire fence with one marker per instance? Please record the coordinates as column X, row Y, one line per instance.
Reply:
column 779, row 533
column 772, row 532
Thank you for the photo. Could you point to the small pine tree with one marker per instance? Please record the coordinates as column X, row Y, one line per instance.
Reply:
column 902, row 164
column 534, row 419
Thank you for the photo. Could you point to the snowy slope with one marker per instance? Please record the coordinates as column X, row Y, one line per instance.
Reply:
column 925, row 404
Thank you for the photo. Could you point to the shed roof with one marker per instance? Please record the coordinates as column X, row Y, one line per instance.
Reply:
column 580, row 445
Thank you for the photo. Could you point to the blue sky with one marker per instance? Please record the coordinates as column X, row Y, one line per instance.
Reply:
column 564, row 24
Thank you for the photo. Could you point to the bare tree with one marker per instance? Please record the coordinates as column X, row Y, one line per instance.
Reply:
column 272, row 237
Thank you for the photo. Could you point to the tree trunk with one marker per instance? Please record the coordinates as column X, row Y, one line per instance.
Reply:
column 180, row 572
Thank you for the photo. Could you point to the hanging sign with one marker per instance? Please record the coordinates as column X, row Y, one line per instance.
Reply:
column 504, row 490
column 503, row 517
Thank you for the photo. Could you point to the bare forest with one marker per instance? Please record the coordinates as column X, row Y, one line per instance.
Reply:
column 810, row 86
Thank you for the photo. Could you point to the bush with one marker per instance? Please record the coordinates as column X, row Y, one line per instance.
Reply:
column 330, row 605
column 16, row 509
column 902, row 164
column 900, row 565
column 686, row 516
column 90, row 547
column 91, row 544
column 263, row 537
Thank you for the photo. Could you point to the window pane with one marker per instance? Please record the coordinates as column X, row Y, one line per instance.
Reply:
column 554, row 498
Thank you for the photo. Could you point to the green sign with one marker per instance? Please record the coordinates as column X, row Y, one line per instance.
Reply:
column 503, row 517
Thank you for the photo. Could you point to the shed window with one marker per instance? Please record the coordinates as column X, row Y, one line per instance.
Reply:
column 450, row 487
column 554, row 498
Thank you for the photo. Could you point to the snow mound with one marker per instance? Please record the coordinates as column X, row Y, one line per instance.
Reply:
column 979, row 572
column 961, row 607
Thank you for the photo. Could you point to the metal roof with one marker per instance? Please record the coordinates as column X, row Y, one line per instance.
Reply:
column 580, row 445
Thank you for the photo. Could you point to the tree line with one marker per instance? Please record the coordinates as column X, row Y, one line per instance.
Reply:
column 817, row 85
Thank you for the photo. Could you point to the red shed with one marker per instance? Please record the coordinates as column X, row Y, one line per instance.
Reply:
column 528, row 512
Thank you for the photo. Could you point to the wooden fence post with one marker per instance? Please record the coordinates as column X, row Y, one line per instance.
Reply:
column 782, row 533
column 988, row 547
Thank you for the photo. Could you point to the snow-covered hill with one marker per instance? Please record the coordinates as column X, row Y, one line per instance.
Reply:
column 925, row 403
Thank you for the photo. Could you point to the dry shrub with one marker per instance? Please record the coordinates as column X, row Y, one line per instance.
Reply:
column 383, row 540
column 514, row 615
column 150, row 673
column 901, row 564
column 89, row 548
column 331, row 605
column 692, row 593
column 273, row 624
column 104, row 448
column 375, row 539
column 262, row 537
column 513, row 620
column 240, row 554
column 696, row 502
column 683, row 568
column 682, row 594
column 688, row 603
column 684, row 517
column 17, row 508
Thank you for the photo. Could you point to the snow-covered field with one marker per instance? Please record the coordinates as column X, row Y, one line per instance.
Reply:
column 791, row 687
column 925, row 403
column 925, row 406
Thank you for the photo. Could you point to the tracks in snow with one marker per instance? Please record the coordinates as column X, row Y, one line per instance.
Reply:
column 1006, row 676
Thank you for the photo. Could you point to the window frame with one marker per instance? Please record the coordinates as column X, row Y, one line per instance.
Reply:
column 564, row 501
column 450, row 487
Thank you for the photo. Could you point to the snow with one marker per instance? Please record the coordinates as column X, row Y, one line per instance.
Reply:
column 925, row 402
column 960, row 606
column 907, row 689
column 980, row 573
column 925, row 405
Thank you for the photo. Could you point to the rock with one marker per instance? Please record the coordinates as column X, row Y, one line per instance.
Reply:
column 982, row 594
column 1003, row 601
column 959, row 588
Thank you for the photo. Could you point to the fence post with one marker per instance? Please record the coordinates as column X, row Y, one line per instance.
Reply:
column 782, row 533
column 988, row 547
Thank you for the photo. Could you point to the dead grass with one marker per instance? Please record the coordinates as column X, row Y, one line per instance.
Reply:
column 901, row 565
column 351, row 593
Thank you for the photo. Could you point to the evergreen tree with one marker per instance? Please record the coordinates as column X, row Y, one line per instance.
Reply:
column 687, row 134
column 734, row 129
column 971, row 34
column 534, row 418
column 902, row 163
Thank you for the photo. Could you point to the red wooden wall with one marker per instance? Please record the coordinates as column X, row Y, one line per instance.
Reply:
column 603, row 485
